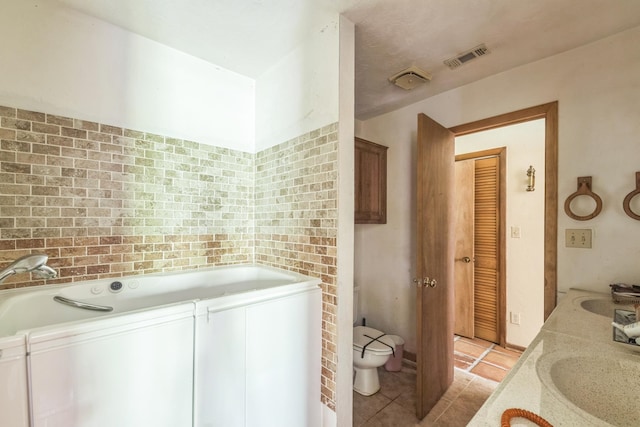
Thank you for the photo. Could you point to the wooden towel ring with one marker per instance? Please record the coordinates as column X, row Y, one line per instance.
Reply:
column 505, row 421
column 584, row 189
column 626, row 204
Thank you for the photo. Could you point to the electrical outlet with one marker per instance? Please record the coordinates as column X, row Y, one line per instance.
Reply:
column 515, row 232
column 515, row 318
column 577, row 238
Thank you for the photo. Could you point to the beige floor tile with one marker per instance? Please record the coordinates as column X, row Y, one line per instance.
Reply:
column 394, row 405
column 461, row 380
column 393, row 415
column 365, row 407
column 393, row 384
column 407, row 401
column 478, row 390
column 436, row 412
column 407, row 374
column 465, row 406
column 457, row 415
column 487, row 384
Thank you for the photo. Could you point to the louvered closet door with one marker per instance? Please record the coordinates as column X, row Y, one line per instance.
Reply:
column 486, row 249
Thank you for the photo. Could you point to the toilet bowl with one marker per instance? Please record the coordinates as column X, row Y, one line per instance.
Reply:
column 371, row 349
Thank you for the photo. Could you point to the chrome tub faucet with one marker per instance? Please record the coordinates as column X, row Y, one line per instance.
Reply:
column 36, row 263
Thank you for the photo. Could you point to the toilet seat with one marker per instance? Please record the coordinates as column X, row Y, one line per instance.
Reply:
column 365, row 336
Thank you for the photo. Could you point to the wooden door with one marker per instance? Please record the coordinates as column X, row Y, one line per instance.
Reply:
column 464, row 254
column 487, row 249
column 434, row 265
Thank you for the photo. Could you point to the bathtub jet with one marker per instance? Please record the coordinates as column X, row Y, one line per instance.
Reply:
column 36, row 263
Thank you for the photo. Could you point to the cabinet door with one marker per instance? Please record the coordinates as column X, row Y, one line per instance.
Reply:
column 219, row 378
column 14, row 403
column 370, row 183
column 137, row 377
column 283, row 362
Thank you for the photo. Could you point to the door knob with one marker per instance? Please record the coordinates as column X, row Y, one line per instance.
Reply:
column 466, row 259
column 425, row 282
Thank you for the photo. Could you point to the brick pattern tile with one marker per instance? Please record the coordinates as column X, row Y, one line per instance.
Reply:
column 104, row 201
column 296, row 229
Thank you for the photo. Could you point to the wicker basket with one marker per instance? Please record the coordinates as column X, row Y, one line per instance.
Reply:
column 622, row 293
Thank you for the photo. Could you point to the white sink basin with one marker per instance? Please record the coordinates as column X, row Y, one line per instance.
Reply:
column 604, row 388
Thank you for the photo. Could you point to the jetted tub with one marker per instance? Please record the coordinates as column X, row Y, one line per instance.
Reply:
column 171, row 351
column 29, row 308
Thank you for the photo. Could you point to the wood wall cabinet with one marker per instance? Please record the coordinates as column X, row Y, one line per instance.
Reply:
column 370, row 182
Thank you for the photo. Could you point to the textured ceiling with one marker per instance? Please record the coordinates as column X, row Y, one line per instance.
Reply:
column 249, row 36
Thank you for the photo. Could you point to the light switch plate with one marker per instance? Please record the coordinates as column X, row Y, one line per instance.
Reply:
column 577, row 238
column 515, row 318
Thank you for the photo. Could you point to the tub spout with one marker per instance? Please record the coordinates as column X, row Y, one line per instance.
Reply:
column 34, row 262
column 45, row 272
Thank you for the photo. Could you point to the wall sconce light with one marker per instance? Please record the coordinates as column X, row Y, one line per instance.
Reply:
column 531, row 174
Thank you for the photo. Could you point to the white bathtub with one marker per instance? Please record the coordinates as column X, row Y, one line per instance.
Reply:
column 163, row 330
column 28, row 308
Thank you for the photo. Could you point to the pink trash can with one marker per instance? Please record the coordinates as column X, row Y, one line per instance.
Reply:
column 394, row 364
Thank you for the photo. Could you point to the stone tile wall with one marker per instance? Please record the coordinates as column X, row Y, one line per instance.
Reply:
column 296, row 223
column 104, row 201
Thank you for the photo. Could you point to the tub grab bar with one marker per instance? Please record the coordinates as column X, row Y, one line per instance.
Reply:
column 83, row 305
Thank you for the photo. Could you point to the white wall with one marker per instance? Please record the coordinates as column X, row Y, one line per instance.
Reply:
column 300, row 92
column 63, row 62
column 524, row 143
column 346, row 203
column 597, row 87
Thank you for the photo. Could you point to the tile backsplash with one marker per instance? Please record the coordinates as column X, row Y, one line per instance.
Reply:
column 105, row 201
column 296, row 223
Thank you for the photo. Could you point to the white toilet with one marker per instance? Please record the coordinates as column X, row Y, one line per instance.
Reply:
column 371, row 349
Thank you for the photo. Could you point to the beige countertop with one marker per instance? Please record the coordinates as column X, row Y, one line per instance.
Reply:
column 574, row 354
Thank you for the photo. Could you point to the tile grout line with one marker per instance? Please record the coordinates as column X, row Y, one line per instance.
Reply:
column 450, row 402
column 482, row 356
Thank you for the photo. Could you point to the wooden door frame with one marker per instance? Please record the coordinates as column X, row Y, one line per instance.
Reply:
column 501, row 153
column 549, row 112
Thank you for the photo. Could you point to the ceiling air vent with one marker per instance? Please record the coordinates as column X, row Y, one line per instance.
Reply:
column 410, row 78
column 467, row 56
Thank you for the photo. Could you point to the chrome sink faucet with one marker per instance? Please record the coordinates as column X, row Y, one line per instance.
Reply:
column 36, row 263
